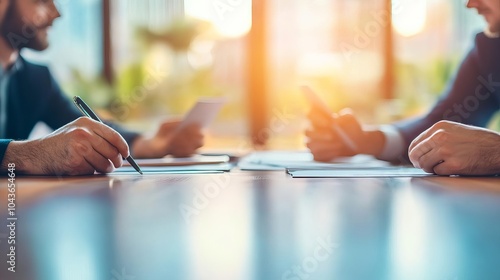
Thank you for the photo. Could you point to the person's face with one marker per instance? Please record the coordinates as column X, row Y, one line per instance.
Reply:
column 27, row 22
column 490, row 10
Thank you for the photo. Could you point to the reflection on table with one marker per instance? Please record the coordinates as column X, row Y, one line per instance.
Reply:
column 255, row 225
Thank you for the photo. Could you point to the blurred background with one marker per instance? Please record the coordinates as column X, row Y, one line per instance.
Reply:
column 141, row 61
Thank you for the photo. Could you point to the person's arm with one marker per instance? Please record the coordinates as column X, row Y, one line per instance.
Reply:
column 449, row 148
column 78, row 148
column 470, row 97
column 325, row 144
column 169, row 140
column 4, row 144
column 60, row 110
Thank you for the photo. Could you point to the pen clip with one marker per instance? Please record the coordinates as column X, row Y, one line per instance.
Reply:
column 85, row 109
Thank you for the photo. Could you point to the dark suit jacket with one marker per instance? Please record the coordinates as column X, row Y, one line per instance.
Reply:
column 34, row 96
column 472, row 97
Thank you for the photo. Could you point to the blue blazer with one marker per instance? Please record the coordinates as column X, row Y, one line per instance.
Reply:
column 34, row 96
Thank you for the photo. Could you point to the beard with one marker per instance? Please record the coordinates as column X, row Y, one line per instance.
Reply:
column 19, row 34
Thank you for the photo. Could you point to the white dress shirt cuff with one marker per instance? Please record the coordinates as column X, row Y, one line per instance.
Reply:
column 394, row 143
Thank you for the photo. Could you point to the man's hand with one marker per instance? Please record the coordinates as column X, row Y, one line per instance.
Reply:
column 449, row 148
column 78, row 148
column 169, row 140
column 325, row 144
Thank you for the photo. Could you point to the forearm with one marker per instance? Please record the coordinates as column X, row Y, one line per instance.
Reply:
column 491, row 155
column 24, row 155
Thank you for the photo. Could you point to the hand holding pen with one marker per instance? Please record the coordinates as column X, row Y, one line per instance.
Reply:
column 87, row 111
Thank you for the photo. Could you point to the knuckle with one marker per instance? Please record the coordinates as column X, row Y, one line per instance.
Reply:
column 79, row 149
column 439, row 137
column 80, row 133
column 83, row 120
column 444, row 152
column 441, row 124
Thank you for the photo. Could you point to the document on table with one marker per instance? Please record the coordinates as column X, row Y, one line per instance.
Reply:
column 281, row 160
column 386, row 172
column 171, row 161
column 197, row 164
column 184, row 169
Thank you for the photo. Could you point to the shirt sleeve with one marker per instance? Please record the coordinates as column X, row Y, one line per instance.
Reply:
column 394, row 144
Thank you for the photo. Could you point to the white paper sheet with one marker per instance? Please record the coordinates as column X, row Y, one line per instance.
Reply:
column 171, row 161
column 203, row 113
column 361, row 173
column 189, row 169
column 281, row 160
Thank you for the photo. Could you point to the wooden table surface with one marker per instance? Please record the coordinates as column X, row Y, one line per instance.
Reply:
column 253, row 225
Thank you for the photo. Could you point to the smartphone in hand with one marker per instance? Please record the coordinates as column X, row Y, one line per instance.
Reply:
column 319, row 104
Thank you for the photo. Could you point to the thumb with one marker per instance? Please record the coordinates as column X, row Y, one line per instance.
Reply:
column 351, row 126
column 347, row 120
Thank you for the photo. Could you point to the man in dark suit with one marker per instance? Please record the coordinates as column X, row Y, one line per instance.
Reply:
column 472, row 98
column 29, row 94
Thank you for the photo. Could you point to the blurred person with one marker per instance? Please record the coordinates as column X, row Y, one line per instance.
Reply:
column 472, row 97
column 29, row 94
column 449, row 148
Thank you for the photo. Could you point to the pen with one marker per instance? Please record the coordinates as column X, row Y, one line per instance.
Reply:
column 85, row 109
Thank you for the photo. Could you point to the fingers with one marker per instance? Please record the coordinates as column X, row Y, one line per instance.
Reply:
column 169, row 126
column 186, row 141
column 112, row 137
column 82, row 158
column 324, row 151
column 316, row 135
column 101, row 146
column 328, row 150
column 107, row 151
column 351, row 131
column 319, row 121
column 99, row 162
column 420, row 150
column 441, row 125
column 429, row 161
column 326, row 144
column 449, row 167
column 430, row 153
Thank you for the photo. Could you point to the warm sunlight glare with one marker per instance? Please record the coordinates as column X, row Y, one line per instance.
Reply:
column 231, row 18
column 409, row 16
